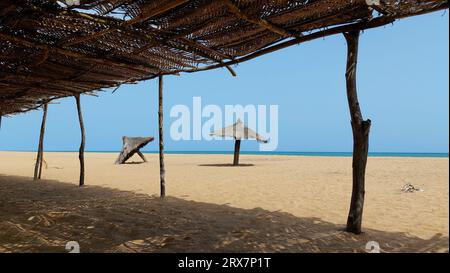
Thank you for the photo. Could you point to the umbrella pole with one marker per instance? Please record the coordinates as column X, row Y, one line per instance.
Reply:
column 40, row 153
column 237, row 150
column 162, row 171
column 141, row 155
column 361, row 129
column 83, row 140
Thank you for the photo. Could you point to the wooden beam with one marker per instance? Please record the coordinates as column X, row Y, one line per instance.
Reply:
column 211, row 52
column 10, row 8
column 83, row 140
column 140, row 68
column 361, row 130
column 169, row 5
column 260, row 22
column 116, row 25
column 40, row 152
column 380, row 21
column 73, row 54
column 181, row 34
column 387, row 10
column 42, row 58
column 138, row 19
column 162, row 170
column 237, row 150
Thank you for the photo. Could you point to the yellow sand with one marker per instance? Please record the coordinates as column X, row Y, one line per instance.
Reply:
column 276, row 203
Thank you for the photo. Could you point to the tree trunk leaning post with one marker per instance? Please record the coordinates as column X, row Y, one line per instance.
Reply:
column 40, row 152
column 141, row 155
column 237, row 150
column 361, row 130
column 131, row 146
column 41, row 140
column 162, row 171
column 83, row 141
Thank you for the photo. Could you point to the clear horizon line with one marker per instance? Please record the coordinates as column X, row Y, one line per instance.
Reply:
column 315, row 153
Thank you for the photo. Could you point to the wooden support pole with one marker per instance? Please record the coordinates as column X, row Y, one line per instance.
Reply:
column 40, row 152
column 162, row 171
column 83, row 140
column 41, row 140
column 237, row 150
column 361, row 130
column 141, row 155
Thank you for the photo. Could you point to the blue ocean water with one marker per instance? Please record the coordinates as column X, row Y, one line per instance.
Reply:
column 333, row 154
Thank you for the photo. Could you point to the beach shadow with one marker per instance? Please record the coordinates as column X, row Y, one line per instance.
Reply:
column 226, row 165
column 43, row 216
column 134, row 163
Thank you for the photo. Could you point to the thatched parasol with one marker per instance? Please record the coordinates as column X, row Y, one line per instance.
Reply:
column 238, row 131
column 131, row 146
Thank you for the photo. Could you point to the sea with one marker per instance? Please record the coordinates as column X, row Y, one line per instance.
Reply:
column 286, row 153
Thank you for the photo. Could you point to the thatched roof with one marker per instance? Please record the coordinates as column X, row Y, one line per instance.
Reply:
column 238, row 131
column 51, row 49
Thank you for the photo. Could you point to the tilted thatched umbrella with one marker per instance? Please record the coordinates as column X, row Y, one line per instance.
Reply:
column 238, row 131
column 131, row 146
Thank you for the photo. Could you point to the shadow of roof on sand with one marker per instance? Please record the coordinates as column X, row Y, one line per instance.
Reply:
column 43, row 216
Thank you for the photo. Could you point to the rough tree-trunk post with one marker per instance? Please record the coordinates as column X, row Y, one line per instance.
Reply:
column 40, row 152
column 237, row 150
column 162, row 170
column 361, row 130
column 82, row 145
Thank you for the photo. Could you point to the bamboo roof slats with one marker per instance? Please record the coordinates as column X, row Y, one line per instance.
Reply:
column 51, row 49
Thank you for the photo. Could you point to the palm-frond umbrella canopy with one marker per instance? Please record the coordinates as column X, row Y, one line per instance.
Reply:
column 131, row 146
column 238, row 131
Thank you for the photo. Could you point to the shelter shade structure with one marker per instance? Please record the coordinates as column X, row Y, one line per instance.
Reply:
column 54, row 49
column 132, row 146
column 239, row 132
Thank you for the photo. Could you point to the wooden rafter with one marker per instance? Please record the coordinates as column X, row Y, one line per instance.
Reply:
column 138, row 19
column 377, row 22
column 78, row 55
column 114, row 25
column 260, row 22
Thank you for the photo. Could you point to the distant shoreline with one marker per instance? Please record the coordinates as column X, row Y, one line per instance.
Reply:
column 316, row 154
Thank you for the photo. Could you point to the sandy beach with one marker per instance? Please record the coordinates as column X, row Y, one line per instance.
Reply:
column 273, row 203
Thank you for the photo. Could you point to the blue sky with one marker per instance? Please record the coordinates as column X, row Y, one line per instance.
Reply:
column 402, row 79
